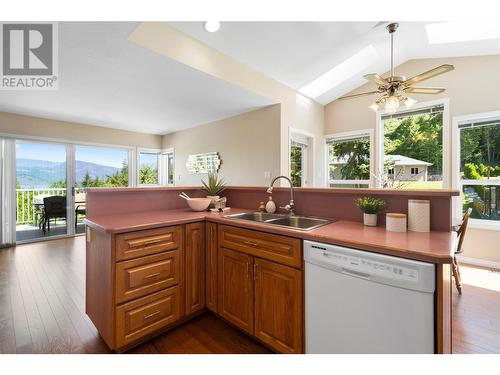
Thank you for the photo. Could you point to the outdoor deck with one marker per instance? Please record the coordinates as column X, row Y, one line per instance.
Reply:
column 28, row 232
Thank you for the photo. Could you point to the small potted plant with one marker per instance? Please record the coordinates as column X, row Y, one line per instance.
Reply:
column 213, row 187
column 370, row 207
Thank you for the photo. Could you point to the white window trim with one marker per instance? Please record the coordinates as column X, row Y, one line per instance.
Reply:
column 445, row 102
column 457, row 183
column 307, row 172
column 163, row 167
column 350, row 134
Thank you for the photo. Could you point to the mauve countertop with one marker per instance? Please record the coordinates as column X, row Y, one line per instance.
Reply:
column 434, row 247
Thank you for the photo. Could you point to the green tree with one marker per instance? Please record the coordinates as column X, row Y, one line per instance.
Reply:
column 296, row 166
column 120, row 177
column 356, row 155
column 148, row 175
column 59, row 184
column 419, row 137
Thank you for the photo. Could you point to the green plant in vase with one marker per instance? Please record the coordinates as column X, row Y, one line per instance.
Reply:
column 370, row 207
column 214, row 186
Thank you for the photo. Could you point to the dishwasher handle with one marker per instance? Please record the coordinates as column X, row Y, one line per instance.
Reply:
column 360, row 275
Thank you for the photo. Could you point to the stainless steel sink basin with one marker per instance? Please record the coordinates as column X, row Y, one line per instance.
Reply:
column 255, row 216
column 295, row 222
column 300, row 222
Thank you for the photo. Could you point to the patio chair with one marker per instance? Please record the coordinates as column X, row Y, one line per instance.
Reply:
column 54, row 207
column 461, row 229
column 79, row 210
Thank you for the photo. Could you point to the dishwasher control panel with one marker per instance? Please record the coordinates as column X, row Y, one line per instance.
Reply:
column 364, row 266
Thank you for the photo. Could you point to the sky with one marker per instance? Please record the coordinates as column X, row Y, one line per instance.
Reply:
column 54, row 152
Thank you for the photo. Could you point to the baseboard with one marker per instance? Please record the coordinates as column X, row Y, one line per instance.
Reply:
column 478, row 262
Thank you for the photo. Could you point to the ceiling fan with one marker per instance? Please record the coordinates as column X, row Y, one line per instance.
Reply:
column 395, row 88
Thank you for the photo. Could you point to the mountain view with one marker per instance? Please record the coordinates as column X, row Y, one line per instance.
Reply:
column 41, row 174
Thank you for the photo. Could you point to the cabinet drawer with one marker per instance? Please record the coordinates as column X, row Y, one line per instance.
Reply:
column 139, row 277
column 144, row 316
column 281, row 249
column 146, row 242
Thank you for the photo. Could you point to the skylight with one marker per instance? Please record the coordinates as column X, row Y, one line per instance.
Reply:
column 340, row 73
column 452, row 32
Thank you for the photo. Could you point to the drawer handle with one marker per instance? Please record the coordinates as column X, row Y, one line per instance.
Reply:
column 251, row 243
column 152, row 275
column 152, row 242
column 152, row 314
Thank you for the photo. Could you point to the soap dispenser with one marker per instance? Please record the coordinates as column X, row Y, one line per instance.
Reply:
column 270, row 206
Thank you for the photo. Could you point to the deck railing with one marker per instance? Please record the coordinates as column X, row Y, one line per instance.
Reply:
column 27, row 211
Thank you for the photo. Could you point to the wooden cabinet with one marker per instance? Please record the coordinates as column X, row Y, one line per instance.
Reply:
column 195, row 267
column 146, row 315
column 211, row 266
column 235, row 289
column 257, row 293
column 278, row 306
column 280, row 249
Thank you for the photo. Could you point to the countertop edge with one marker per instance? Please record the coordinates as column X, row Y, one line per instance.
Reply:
column 303, row 235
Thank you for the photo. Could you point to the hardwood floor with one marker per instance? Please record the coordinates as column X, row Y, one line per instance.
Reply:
column 42, row 310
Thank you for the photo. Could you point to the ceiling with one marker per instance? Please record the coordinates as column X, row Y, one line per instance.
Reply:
column 107, row 81
column 297, row 53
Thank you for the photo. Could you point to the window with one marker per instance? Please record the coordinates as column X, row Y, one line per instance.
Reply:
column 167, row 168
column 298, row 154
column 478, row 172
column 301, row 157
column 411, row 148
column 349, row 159
column 148, row 168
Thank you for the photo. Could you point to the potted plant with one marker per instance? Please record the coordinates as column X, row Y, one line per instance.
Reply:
column 370, row 207
column 214, row 186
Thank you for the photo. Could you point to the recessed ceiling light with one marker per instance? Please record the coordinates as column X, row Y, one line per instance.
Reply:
column 452, row 32
column 211, row 26
column 342, row 72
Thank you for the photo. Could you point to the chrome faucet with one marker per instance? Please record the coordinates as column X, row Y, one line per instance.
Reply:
column 290, row 207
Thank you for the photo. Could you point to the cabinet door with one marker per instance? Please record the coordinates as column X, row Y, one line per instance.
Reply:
column 211, row 266
column 235, row 289
column 278, row 306
column 195, row 267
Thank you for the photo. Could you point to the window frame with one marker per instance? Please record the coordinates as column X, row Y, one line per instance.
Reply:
column 141, row 150
column 445, row 102
column 163, row 167
column 458, row 183
column 308, row 156
column 349, row 135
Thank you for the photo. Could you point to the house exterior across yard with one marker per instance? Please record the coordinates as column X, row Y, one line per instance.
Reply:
column 402, row 168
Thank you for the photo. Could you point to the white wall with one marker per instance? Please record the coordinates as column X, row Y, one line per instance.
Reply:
column 248, row 144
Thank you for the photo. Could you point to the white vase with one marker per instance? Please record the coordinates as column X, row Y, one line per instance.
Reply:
column 214, row 199
column 370, row 220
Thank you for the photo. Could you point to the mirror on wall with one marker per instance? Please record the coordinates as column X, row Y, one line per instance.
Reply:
column 203, row 163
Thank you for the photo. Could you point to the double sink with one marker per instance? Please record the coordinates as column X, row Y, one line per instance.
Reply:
column 289, row 221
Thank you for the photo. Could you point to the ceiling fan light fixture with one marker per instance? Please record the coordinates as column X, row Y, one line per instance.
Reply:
column 409, row 102
column 374, row 106
column 391, row 105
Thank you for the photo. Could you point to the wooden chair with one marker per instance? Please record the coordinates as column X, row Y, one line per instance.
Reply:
column 79, row 210
column 54, row 207
column 460, row 235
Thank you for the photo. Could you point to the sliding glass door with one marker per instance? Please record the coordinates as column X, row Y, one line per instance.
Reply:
column 97, row 167
column 42, row 208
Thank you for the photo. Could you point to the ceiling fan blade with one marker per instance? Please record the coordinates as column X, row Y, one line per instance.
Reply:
column 424, row 90
column 375, row 78
column 429, row 74
column 358, row 95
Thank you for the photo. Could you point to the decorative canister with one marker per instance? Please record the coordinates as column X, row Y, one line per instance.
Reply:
column 395, row 222
column 419, row 215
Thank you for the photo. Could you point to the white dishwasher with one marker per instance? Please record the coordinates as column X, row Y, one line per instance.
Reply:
column 362, row 302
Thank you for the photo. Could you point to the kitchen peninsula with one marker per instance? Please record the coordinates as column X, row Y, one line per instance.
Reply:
column 153, row 264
